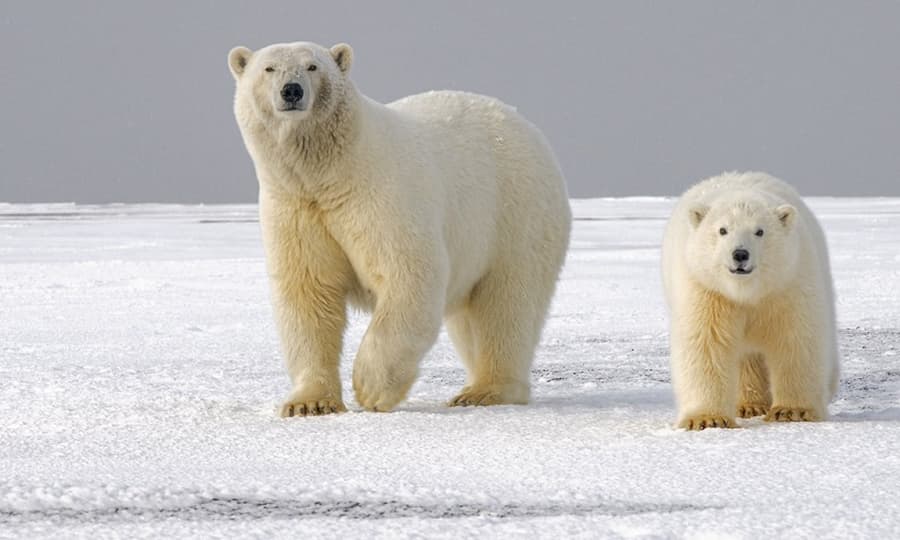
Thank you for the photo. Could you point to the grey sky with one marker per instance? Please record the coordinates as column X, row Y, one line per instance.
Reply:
column 131, row 101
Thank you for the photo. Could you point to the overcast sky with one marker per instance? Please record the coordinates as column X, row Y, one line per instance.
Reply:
column 131, row 101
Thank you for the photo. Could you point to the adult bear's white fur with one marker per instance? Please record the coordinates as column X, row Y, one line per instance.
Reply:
column 443, row 205
column 756, row 343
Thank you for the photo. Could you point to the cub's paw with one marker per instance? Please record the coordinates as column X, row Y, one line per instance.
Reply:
column 783, row 413
column 749, row 410
column 488, row 395
column 381, row 388
column 308, row 404
column 702, row 421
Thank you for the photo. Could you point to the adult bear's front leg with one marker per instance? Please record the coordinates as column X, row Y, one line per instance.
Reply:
column 309, row 275
column 404, row 326
column 311, row 339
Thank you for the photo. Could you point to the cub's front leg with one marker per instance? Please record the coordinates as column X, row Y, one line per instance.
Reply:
column 791, row 332
column 309, row 277
column 799, row 381
column 705, row 371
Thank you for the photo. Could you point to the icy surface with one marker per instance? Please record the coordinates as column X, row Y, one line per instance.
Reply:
column 140, row 372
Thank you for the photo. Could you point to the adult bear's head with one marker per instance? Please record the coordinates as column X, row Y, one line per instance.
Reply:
column 291, row 82
column 294, row 103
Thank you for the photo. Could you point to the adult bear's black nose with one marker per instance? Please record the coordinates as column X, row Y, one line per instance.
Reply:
column 292, row 92
column 740, row 255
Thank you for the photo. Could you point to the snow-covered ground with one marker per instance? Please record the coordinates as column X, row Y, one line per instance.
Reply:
column 140, row 373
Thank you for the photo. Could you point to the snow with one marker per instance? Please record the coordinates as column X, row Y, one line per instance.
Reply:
column 140, row 373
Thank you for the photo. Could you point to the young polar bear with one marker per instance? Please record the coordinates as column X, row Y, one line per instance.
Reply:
column 747, row 279
column 442, row 205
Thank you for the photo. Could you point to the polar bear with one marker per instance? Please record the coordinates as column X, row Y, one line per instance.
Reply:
column 443, row 206
column 747, row 280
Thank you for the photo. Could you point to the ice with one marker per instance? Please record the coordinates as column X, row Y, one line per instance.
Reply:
column 140, row 373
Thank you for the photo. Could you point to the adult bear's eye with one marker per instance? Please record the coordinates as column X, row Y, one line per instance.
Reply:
column 760, row 232
column 723, row 231
column 270, row 69
column 312, row 67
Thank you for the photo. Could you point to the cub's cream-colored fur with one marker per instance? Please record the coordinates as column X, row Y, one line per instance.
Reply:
column 752, row 337
column 443, row 206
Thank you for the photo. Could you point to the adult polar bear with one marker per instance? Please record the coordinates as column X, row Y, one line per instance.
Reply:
column 442, row 205
column 747, row 279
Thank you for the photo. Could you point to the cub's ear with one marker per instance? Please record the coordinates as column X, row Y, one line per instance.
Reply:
column 697, row 213
column 237, row 61
column 343, row 56
column 786, row 214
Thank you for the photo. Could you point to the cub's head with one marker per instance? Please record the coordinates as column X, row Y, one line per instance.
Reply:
column 289, row 82
column 744, row 248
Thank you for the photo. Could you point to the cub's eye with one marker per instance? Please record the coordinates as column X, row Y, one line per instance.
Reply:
column 723, row 231
column 312, row 67
column 270, row 69
column 760, row 232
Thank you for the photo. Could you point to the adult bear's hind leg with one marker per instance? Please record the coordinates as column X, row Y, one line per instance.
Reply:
column 504, row 320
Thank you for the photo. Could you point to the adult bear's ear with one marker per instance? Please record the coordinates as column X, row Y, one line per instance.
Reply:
column 786, row 214
column 343, row 56
column 697, row 213
column 237, row 61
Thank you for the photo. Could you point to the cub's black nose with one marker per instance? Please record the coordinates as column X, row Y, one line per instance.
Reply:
column 740, row 255
column 292, row 92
